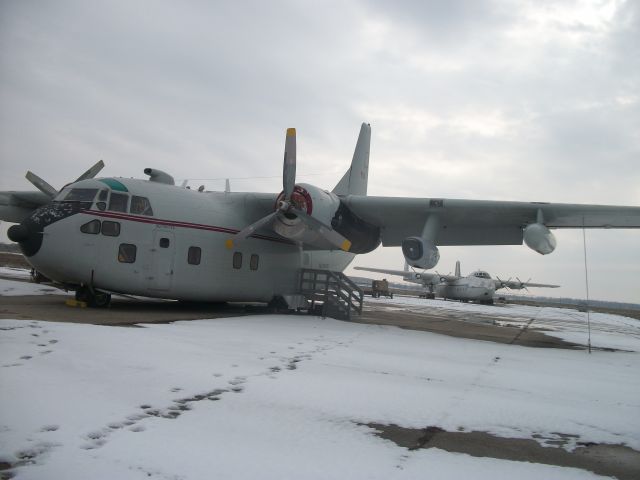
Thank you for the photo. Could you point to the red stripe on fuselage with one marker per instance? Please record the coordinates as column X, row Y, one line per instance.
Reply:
column 173, row 223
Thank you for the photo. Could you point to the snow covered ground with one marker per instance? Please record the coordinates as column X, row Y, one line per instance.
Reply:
column 10, row 288
column 286, row 396
column 607, row 330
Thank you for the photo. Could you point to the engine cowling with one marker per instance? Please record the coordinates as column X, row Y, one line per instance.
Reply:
column 539, row 238
column 327, row 208
column 317, row 203
column 420, row 253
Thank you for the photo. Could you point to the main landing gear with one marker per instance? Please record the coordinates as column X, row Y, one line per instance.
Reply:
column 93, row 298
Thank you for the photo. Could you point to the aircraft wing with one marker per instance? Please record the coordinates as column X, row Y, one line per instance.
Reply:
column 15, row 206
column 481, row 222
column 400, row 273
column 423, row 277
column 515, row 285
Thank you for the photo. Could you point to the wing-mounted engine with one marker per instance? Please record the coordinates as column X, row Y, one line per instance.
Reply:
column 420, row 253
column 314, row 217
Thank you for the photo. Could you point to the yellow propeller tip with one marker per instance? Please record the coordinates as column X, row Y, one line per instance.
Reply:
column 346, row 245
column 229, row 243
column 291, row 132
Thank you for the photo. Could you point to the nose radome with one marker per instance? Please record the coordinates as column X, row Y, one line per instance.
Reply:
column 18, row 233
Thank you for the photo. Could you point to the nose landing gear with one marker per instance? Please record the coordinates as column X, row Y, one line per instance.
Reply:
column 92, row 297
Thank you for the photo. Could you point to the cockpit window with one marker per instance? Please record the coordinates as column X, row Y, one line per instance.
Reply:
column 104, row 194
column 118, row 202
column 81, row 195
column 141, row 206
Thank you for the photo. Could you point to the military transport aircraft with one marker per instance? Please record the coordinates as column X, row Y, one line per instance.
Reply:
column 478, row 286
column 153, row 238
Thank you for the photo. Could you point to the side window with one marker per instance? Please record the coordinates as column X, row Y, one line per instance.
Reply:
column 141, row 206
column 194, row 255
column 93, row 227
column 164, row 242
column 237, row 260
column 127, row 253
column 110, row 229
column 118, row 202
column 253, row 263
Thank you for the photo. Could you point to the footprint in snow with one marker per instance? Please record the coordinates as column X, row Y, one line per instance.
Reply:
column 50, row 428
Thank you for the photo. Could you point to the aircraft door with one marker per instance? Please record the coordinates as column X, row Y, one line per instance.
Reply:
column 161, row 259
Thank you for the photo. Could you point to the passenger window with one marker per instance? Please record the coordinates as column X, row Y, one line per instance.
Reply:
column 253, row 262
column 164, row 243
column 110, row 229
column 194, row 255
column 118, row 202
column 93, row 227
column 104, row 194
column 127, row 253
column 237, row 260
column 141, row 206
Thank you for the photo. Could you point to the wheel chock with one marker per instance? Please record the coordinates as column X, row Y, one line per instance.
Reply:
column 72, row 302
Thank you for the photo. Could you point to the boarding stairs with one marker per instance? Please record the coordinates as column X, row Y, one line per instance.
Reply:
column 330, row 294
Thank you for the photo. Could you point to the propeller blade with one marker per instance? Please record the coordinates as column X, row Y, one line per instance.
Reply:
column 247, row 231
column 92, row 172
column 41, row 185
column 289, row 167
column 326, row 232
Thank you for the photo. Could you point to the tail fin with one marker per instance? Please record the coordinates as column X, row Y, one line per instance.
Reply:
column 354, row 181
column 458, row 268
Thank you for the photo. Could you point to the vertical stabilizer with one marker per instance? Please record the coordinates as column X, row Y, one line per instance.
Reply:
column 458, row 268
column 354, row 181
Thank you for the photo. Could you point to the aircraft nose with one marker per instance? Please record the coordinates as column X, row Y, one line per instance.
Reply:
column 28, row 235
column 18, row 233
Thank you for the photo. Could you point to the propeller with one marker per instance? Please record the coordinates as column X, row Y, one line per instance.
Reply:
column 523, row 284
column 286, row 206
column 504, row 284
column 51, row 192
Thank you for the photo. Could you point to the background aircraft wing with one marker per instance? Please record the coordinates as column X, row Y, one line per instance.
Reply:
column 401, row 273
column 481, row 222
column 16, row 206
column 517, row 285
column 417, row 277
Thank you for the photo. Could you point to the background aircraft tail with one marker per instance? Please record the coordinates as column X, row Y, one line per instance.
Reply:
column 458, row 268
column 354, row 181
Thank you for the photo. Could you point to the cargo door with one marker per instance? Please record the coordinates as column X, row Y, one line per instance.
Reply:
column 161, row 259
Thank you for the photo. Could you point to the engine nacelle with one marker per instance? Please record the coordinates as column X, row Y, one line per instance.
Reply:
column 316, row 202
column 328, row 209
column 420, row 253
column 539, row 238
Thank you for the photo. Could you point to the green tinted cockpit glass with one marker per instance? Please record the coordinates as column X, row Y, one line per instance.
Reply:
column 114, row 184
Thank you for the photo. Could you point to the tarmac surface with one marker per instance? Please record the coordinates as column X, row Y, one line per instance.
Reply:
column 618, row 461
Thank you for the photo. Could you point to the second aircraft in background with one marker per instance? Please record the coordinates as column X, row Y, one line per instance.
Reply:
column 478, row 286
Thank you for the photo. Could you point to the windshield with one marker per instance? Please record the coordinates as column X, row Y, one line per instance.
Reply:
column 81, row 195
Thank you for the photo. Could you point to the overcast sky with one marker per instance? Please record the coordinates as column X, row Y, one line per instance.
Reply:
column 531, row 101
